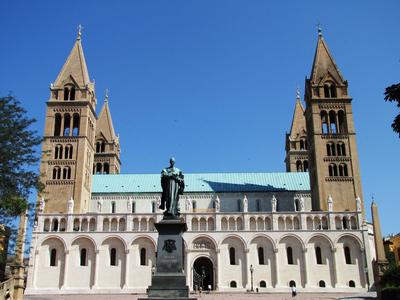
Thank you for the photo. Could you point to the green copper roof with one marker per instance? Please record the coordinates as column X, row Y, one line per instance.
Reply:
column 203, row 182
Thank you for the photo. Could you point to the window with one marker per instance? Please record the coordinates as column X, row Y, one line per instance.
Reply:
column 67, row 173
column 324, row 122
column 261, row 256
column 56, row 172
column 75, row 128
column 292, row 283
column 296, row 205
column 330, row 149
column 106, row 168
column 143, row 257
column 345, row 223
column 258, row 205
column 299, row 166
column 342, row 121
column 113, row 207
column 66, row 93
column 318, row 255
column 332, row 90
column 67, row 124
column 83, row 257
column 153, row 207
column 58, row 152
column 302, row 145
column 347, row 255
column 263, row 284
column 305, row 166
column 133, row 207
column 113, row 257
column 289, row 254
column 333, row 170
column 352, row 284
column 194, row 205
column 57, row 125
column 239, row 205
column 322, row 283
column 332, row 122
column 68, row 152
column 72, row 93
column 99, row 168
column 55, row 225
column 53, row 257
column 233, row 284
column 232, row 258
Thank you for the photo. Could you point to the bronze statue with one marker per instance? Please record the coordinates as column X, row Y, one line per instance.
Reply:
column 172, row 184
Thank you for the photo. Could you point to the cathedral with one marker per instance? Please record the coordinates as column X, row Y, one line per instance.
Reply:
column 305, row 227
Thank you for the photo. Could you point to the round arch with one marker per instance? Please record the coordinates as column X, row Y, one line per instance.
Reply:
column 113, row 236
column 260, row 235
column 324, row 237
column 352, row 236
column 144, row 236
column 87, row 238
column 56, row 238
column 233, row 236
column 205, row 236
column 295, row 237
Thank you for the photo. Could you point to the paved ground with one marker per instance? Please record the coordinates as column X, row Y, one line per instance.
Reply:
column 212, row 296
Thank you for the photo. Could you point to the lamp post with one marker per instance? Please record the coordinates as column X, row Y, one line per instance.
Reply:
column 251, row 273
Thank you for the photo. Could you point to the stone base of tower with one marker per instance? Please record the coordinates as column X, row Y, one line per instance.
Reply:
column 169, row 279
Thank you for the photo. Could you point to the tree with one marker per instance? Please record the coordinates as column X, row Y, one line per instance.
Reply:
column 392, row 94
column 18, row 158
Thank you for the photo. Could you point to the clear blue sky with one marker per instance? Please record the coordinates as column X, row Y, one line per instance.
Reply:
column 213, row 82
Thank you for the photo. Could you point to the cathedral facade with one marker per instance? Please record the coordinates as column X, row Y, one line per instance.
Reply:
column 306, row 227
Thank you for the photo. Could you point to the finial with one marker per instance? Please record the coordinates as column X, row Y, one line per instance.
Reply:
column 298, row 93
column 80, row 27
column 106, row 98
column 319, row 30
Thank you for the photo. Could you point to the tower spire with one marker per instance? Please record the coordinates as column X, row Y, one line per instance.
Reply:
column 106, row 95
column 80, row 27
column 319, row 30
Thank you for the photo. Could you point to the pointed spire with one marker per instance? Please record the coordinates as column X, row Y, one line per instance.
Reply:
column 74, row 68
column 298, row 121
column 104, row 124
column 324, row 64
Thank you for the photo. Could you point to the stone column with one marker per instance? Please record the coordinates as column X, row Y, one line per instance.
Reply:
column 276, row 258
column 218, row 281
column 96, row 269
column 248, row 275
column 126, row 279
column 187, row 269
column 334, row 267
column 65, row 275
column 305, row 269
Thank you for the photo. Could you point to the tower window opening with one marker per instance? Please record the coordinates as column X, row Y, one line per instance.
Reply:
column 58, row 152
column 342, row 121
column 99, row 168
column 143, row 257
column 326, row 91
column 66, row 93
column 324, row 122
column 56, row 172
column 297, row 205
column 68, row 151
column 332, row 90
column 75, row 128
column 289, row 254
column 302, row 145
column 103, row 147
column 83, row 257
column 57, row 125
column 263, row 284
column 322, row 283
column 113, row 207
column 318, row 255
column 67, row 124
column 332, row 122
column 106, row 168
column 261, row 256
column 299, row 166
column 72, row 93
column 113, row 257
column 352, row 284
column 305, row 166
column 232, row 256
column 53, row 258
column 347, row 255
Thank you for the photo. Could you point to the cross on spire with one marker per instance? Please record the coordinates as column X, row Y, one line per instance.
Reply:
column 319, row 29
column 298, row 93
column 106, row 97
column 80, row 27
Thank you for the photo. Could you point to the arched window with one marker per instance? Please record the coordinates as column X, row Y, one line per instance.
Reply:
column 339, row 149
column 299, row 166
column 57, row 125
column 53, row 258
column 232, row 258
column 67, row 173
column 332, row 122
column 292, row 283
column 153, row 207
column 194, row 205
column 83, row 257
column 106, row 168
column 343, row 146
column 233, row 284
column 97, row 147
column 99, row 168
column 56, row 172
column 55, row 225
column 102, row 147
column 342, row 121
column 66, row 93
column 318, row 255
column 239, row 205
column 335, row 170
column 345, row 223
column 68, row 152
column 75, row 128
column 72, row 93
column 330, row 149
column 113, row 207
column 324, row 122
column 289, row 254
column 133, row 207
column 352, row 284
column 113, row 257
column 143, row 257
column 261, row 256
column 296, row 205
column 326, row 91
column 322, row 283
column 263, row 284
column 345, row 171
column 341, row 171
column 332, row 90
column 305, row 166
column 58, row 152
column 67, row 125
column 258, row 205
column 332, row 170
column 302, row 144
column 347, row 255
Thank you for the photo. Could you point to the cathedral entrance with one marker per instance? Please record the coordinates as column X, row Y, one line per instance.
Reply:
column 203, row 274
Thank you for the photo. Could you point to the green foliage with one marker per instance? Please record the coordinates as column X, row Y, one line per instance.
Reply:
column 391, row 293
column 392, row 94
column 391, row 278
column 18, row 158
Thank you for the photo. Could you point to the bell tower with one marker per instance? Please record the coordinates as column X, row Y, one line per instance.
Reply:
column 333, row 158
column 69, row 135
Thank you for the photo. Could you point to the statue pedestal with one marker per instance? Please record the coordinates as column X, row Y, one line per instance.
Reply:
column 169, row 279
